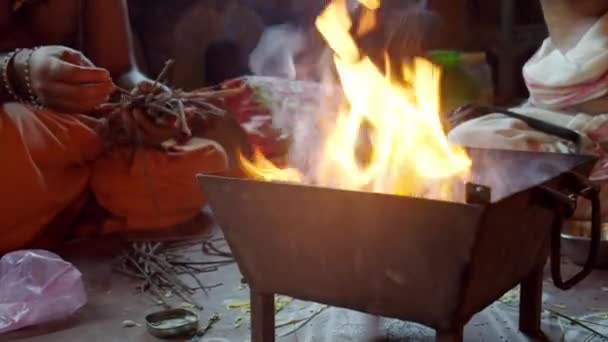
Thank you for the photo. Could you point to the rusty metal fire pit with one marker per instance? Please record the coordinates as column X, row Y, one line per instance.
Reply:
column 431, row 262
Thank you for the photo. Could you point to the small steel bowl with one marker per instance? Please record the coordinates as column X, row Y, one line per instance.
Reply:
column 172, row 323
column 576, row 241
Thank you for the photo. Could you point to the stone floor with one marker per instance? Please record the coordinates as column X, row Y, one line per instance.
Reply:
column 114, row 299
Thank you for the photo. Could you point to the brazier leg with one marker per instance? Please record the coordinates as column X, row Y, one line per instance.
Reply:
column 530, row 304
column 455, row 335
column 262, row 317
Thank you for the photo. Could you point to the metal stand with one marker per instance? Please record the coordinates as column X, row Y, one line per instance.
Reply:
column 530, row 309
column 530, row 306
column 262, row 317
column 455, row 335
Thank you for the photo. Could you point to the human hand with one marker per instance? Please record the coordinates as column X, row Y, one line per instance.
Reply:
column 134, row 80
column 63, row 79
column 148, row 132
column 147, row 85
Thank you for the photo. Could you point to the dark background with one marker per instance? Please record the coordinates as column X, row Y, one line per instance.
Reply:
column 212, row 39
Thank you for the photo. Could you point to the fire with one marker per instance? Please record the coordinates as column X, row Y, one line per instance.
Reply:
column 407, row 150
column 264, row 169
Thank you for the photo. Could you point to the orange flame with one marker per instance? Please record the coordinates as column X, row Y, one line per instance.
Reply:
column 409, row 151
column 264, row 169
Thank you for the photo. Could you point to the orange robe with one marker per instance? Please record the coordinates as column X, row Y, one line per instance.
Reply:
column 50, row 162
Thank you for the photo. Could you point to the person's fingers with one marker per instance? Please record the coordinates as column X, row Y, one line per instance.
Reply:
column 95, row 92
column 76, row 57
column 145, row 86
column 148, row 85
column 63, row 71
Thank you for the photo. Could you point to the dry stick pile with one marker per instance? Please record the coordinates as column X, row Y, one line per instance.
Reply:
column 165, row 107
column 161, row 267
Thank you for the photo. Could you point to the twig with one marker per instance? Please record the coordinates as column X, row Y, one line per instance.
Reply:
column 305, row 322
column 182, row 121
column 292, row 322
column 577, row 322
column 185, row 262
column 162, row 109
column 209, row 287
column 122, row 90
column 210, row 249
column 198, row 282
column 215, row 110
column 188, row 268
column 129, row 273
column 589, row 338
column 149, row 280
column 160, row 77
column 215, row 93
column 594, row 323
column 214, row 319
column 182, row 290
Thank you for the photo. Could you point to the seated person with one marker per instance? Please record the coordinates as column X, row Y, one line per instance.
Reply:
column 568, row 83
column 52, row 155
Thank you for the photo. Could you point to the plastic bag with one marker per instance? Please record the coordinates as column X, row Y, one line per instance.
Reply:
column 36, row 287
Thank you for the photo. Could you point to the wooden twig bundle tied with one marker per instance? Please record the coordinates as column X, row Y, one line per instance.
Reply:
column 186, row 112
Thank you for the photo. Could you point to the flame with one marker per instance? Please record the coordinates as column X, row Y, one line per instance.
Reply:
column 408, row 151
column 370, row 4
column 264, row 169
column 367, row 22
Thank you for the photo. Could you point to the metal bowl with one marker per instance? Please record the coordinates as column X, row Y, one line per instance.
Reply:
column 576, row 241
column 172, row 323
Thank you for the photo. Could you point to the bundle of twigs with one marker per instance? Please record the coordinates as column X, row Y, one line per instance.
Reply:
column 187, row 112
column 161, row 269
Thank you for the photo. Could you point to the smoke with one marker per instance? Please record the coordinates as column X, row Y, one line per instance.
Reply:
column 275, row 53
column 294, row 52
column 508, row 172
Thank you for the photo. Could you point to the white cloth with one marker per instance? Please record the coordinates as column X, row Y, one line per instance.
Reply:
column 557, row 80
column 499, row 131
column 560, row 84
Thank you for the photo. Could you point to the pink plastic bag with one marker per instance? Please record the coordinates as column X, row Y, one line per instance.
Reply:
column 36, row 287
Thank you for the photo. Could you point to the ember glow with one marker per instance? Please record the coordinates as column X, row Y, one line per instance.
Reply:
column 406, row 151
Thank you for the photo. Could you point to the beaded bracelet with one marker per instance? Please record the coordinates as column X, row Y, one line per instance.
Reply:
column 5, row 76
column 33, row 99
